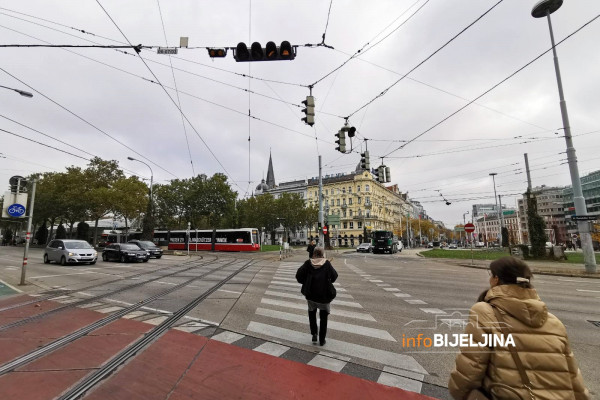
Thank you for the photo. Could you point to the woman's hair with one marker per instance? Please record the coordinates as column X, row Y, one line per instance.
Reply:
column 482, row 295
column 318, row 253
column 510, row 271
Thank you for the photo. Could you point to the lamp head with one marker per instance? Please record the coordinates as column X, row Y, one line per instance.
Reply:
column 545, row 7
column 131, row 158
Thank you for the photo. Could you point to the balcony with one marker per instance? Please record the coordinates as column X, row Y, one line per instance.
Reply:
column 344, row 206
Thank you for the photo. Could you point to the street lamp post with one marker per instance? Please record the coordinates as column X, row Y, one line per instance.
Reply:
column 151, row 181
column 543, row 9
column 499, row 213
column 21, row 92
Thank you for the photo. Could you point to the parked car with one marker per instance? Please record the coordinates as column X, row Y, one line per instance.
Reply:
column 67, row 251
column 430, row 245
column 364, row 248
column 124, row 252
column 479, row 244
column 452, row 246
column 150, row 247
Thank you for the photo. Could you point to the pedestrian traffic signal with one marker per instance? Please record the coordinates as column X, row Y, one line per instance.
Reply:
column 388, row 175
column 217, row 53
column 309, row 103
column 270, row 53
column 341, row 135
column 365, row 163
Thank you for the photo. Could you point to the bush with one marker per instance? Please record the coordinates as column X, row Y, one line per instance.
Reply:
column 42, row 234
column 61, row 232
column 83, row 231
column 525, row 250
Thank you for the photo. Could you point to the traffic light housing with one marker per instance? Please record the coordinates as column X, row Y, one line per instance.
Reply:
column 365, row 163
column 377, row 174
column 388, row 175
column 270, row 53
column 341, row 135
column 217, row 52
column 309, row 103
column 351, row 131
column 381, row 174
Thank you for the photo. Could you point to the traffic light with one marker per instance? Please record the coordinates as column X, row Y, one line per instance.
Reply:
column 351, row 131
column 257, row 53
column 365, row 163
column 341, row 135
column 309, row 103
column 388, row 175
column 381, row 174
column 377, row 173
column 217, row 53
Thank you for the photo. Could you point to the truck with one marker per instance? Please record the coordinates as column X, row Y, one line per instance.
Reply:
column 386, row 242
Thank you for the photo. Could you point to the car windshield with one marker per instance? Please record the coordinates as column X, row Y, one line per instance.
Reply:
column 129, row 246
column 77, row 245
column 147, row 243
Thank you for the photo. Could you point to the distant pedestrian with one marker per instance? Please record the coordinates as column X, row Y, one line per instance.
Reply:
column 311, row 248
column 317, row 276
column 543, row 366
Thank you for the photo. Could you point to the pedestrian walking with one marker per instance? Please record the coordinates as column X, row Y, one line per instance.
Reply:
column 317, row 276
column 311, row 248
column 540, row 365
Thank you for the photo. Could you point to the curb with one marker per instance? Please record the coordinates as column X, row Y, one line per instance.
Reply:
column 536, row 272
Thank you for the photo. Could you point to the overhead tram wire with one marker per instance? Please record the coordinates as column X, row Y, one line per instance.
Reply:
column 492, row 88
column 173, row 101
column 86, row 121
column 426, row 59
column 46, row 145
column 358, row 52
column 187, row 142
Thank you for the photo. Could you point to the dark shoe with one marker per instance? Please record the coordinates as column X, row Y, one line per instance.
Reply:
column 314, row 339
column 322, row 342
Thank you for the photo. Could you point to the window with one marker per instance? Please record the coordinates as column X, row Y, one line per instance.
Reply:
column 367, row 200
column 350, row 201
column 368, row 214
column 349, row 189
column 332, row 202
column 358, row 189
column 350, row 212
column 326, row 192
column 366, row 188
column 344, row 214
column 344, row 201
column 338, row 202
column 359, row 225
column 343, row 190
column 359, row 200
column 345, row 225
column 351, row 225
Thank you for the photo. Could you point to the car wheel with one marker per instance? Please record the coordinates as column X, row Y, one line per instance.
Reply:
column 104, row 257
column 63, row 260
column 123, row 258
column 146, row 260
column 46, row 261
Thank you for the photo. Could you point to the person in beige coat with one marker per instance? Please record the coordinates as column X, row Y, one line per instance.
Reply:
column 540, row 339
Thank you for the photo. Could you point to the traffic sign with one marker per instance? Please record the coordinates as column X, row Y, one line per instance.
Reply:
column 16, row 210
column 584, row 217
column 167, row 50
column 325, row 230
column 469, row 228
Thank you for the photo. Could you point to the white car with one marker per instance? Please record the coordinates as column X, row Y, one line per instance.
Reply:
column 67, row 251
column 364, row 248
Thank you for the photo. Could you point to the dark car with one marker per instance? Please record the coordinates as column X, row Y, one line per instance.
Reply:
column 150, row 247
column 124, row 252
column 365, row 248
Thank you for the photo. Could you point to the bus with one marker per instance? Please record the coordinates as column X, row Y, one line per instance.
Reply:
column 385, row 242
column 242, row 239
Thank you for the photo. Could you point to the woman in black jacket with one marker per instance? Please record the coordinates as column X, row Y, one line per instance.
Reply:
column 317, row 276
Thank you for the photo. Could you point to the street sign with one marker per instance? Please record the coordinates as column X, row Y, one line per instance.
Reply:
column 459, row 229
column 469, row 228
column 584, row 217
column 16, row 210
column 167, row 50
column 325, row 230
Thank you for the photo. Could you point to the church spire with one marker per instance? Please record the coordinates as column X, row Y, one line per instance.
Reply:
column 270, row 173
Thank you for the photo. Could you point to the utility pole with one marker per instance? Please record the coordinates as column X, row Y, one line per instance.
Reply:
column 528, row 173
column 28, row 235
column 501, row 216
column 321, row 238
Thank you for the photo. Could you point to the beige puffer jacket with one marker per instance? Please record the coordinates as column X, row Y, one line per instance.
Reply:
column 542, row 343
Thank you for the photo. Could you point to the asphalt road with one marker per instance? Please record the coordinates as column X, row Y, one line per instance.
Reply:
column 381, row 300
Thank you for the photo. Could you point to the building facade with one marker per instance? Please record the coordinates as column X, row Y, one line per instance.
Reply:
column 590, row 186
column 550, row 206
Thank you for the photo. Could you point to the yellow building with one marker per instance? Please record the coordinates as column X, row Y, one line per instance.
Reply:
column 355, row 204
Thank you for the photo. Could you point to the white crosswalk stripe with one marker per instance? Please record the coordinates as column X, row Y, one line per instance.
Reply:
column 302, row 306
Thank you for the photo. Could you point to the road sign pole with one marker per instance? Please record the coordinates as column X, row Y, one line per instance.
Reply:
column 27, row 236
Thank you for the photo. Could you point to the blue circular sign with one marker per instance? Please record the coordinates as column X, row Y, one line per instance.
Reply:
column 16, row 210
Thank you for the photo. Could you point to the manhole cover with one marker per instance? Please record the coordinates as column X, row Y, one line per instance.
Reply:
column 597, row 323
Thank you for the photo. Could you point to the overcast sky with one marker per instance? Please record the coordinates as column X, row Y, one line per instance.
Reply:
column 98, row 101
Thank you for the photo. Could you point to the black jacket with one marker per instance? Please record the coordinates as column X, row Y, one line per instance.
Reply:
column 311, row 250
column 315, row 281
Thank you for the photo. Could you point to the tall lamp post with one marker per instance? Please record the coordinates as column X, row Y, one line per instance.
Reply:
column 151, row 181
column 499, row 213
column 543, row 9
column 21, row 92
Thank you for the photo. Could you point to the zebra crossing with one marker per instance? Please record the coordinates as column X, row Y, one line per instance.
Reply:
column 281, row 316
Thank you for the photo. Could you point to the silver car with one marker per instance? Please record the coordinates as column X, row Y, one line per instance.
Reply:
column 67, row 251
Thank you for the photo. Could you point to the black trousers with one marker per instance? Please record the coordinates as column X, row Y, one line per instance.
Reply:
column 312, row 319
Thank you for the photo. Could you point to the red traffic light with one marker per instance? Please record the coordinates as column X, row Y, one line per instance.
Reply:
column 218, row 53
column 285, row 51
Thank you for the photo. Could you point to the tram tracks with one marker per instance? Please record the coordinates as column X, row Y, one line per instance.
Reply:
column 96, row 298
column 71, row 291
column 65, row 340
column 130, row 352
